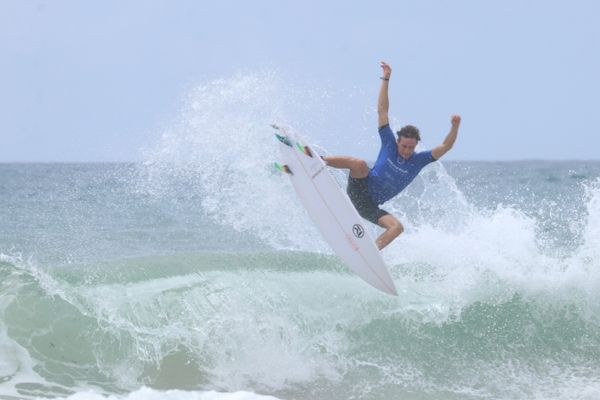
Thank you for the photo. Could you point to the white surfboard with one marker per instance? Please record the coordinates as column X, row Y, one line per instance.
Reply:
column 332, row 211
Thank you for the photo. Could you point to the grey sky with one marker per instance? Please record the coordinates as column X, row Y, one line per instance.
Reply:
column 98, row 80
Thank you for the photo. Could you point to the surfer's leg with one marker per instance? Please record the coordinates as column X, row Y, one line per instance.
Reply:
column 358, row 168
column 393, row 228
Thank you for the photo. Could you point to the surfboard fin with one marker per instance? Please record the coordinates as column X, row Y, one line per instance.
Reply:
column 284, row 140
column 304, row 149
column 283, row 168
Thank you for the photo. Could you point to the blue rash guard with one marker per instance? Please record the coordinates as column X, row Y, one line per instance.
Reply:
column 392, row 173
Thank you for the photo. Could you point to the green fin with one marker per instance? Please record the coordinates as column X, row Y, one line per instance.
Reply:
column 284, row 140
column 283, row 168
column 304, row 149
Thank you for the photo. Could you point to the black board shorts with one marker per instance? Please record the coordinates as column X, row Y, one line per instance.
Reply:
column 358, row 191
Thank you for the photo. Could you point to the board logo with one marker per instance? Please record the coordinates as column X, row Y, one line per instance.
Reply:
column 358, row 230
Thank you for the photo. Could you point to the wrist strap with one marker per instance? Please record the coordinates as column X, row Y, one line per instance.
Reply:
column 385, row 79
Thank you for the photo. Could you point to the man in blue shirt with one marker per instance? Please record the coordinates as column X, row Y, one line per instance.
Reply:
column 396, row 166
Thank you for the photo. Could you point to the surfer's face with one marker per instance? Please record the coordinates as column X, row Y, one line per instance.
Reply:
column 406, row 147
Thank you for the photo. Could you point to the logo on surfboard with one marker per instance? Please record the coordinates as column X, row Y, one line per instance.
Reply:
column 358, row 230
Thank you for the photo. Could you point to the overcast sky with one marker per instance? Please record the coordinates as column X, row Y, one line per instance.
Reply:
column 98, row 80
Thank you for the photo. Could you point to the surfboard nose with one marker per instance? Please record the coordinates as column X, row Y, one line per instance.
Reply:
column 383, row 283
column 393, row 291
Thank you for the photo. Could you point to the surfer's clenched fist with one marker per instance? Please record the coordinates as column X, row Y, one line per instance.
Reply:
column 387, row 70
column 455, row 120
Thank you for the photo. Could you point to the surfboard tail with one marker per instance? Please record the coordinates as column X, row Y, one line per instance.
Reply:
column 285, row 140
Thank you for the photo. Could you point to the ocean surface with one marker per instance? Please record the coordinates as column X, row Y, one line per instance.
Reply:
column 196, row 274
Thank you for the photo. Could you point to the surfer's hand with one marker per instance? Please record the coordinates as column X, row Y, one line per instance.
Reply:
column 387, row 70
column 455, row 120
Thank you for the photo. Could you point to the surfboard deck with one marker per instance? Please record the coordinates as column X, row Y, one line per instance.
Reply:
column 331, row 210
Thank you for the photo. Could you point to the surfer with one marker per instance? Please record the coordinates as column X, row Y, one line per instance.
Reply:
column 396, row 166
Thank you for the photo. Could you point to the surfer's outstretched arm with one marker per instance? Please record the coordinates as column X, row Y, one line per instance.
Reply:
column 383, row 102
column 443, row 148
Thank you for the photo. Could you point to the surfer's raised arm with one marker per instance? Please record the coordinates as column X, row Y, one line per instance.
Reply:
column 383, row 102
column 396, row 166
column 443, row 148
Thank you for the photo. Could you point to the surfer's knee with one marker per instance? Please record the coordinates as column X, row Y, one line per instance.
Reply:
column 396, row 228
column 392, row 226
column 393, row 229
column 359, row 168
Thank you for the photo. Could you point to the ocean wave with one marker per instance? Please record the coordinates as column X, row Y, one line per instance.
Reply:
column 177, row 323
column 199, row 270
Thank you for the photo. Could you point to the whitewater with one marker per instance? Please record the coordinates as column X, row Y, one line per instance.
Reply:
column 196, row 273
